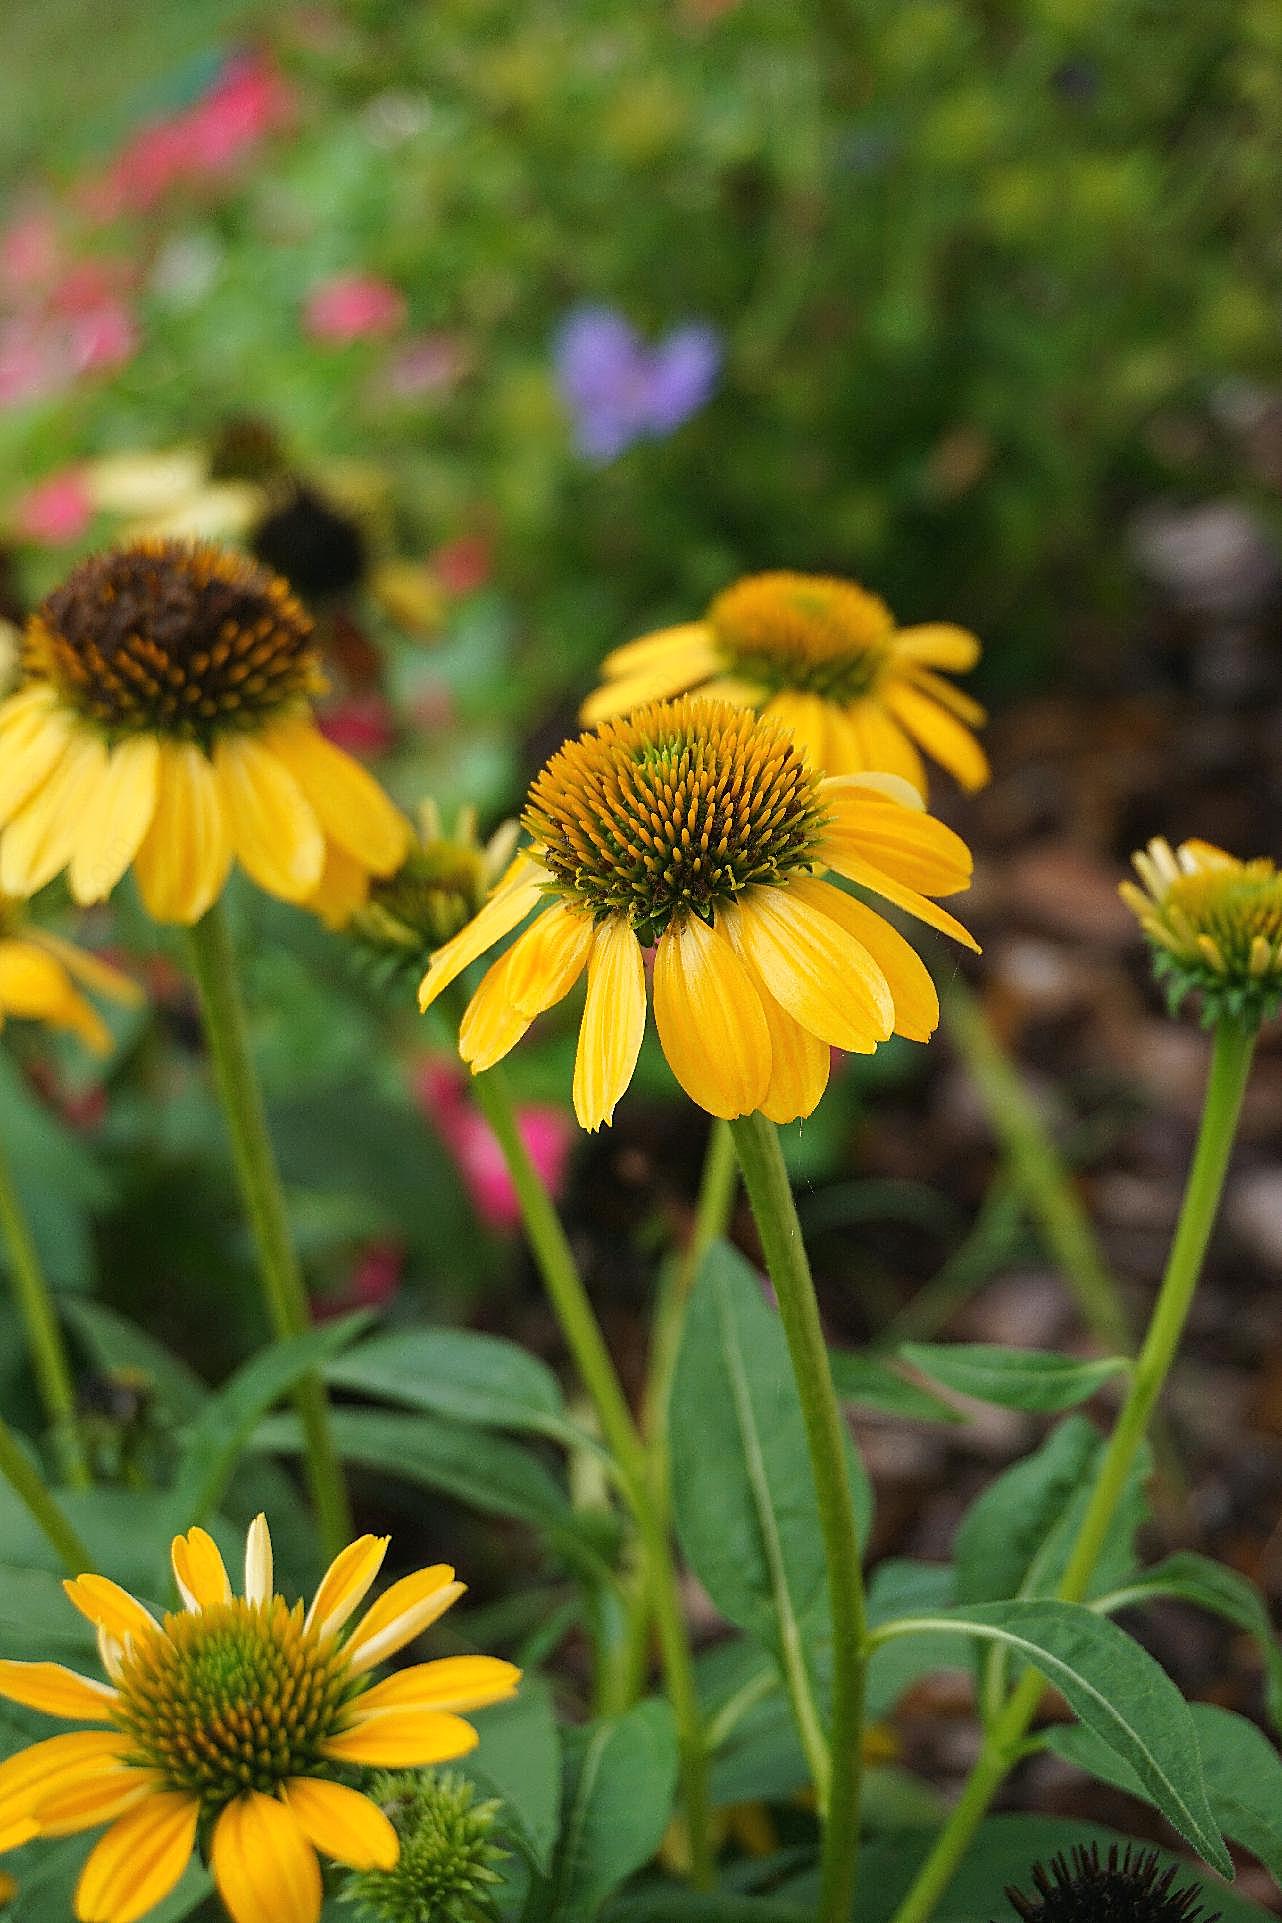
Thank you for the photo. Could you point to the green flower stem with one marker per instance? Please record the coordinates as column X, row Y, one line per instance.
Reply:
column 213, row 963
column 1040, row 1171
column 44, row 1337
column 761, row 1159
column 1226, row 1085
column 712, row 1213
column 592, row 1359
column 27, row 1484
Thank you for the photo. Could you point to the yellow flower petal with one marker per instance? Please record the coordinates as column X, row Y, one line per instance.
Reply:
column 956, row 700
column 33, row 985
column 89, row 969
column 81, row 1759
column 710, row 1021
column 404, row 1611
column 110, row 1607
column 199, row 1570
column 913, row 991
column 140, row 1859
column 805, row 718
column 42, row 835
column 910, row 846
column 613, row 1023
column 113, row 827
column 34, row 733
column 819, row 974
column 865, row 875
column 183, row 862
column 342, row 1823
column 876, row 742
column 939, row 645
column 56, row 1691
column 800, row 1063
column 539, row 969
column 348, row 802
column 940, row 734
column 14, row 1832
column 492, row 1024
column 691, row 639
column 265, row 1867
column 274, row 831
column 341, row 890
column 77, row 1806
column 510, row 903
column 455, row 1682
column 403, row 1739
column 346, row 1583
column 667, row 672
column 259, row 1571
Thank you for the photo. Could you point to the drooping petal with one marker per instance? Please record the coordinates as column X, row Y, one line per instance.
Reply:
column 804, row 717
column 259, row 1571
column 89, row 969
column 492, row 1024
column 710, row 1021
column 865, row 875
column 32, row 984
column 56, row 1691
column 510, row 903
column 939, row 645
column 342, row 1823
column 199, row 1570
column 348, row 802
column 455, row 1682
column 404, row 1611
column 403, row 1739
column 34, row 734
column 112, row 830
column 879, row 744
column 913, row 991
column 955, row 699
column 538, row 970
column 263, row 1863
column 940, row 734
column 183, row 863
column 346, row 1583
column 910, row 846
column 341, row 890
column 818, row 973
column 42, row 835
column 613, row 1023
column 140, row 1859
column 800, row 1063
column 274, row 831
column 109, row 1606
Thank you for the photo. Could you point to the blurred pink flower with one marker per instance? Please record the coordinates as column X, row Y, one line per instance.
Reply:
column 546, row 1131
column 30, row 250
column 102, row 338
column 463, row 564
column 363, row 724
column 43, row 353
column 373, row 1284
column 55, row 511
column 352, row 307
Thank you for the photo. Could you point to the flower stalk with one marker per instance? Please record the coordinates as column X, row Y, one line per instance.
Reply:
column 766, row 1179
column 40, row 1325
column 28, row 1485
column 214, row 967
column 583, row 1336
column 1232, row 1052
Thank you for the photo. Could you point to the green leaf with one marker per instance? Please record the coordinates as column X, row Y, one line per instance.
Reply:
column 519, row 1759
column 37, row 1621
column 870, row 1384
column 743, row 1495
column 459, row 1373
column 1243, row 1777
column 709, row 1906
column 900, row 1588
column 1003, row 1854
column 621, row 1779
column 1196, row 1579
column 213, row 1443
column 1032, row 1379
column 116, row 1343
column 1112, row 1686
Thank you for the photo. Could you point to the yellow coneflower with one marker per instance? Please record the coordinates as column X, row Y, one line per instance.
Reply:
column 165, row 723
column 695, row 827
column 823, row 657
column 242, row 1713
column 38, row 977
column 440, row 885
column 1215, row 924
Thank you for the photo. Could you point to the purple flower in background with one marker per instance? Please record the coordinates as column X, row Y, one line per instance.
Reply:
column 619, row 390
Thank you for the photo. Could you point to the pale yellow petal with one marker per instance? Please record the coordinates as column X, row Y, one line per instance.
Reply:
column 140, row 1859
column 346, row 1583
column 199, row 1570
column 113, row 828
column 710, row 1021
column 509, row 904
column 819, row 974
column 259, row 1571
column 348, row 802
column 42, row 836
column 675, row 672
column 940, row 734
column 183, row 862
column 454, row 1683
column 274, row 831
column 939, row 645
column 690, row 639
column 34, row 734
column 263, row 1863
column 403, row 1612
column 110, row 1607
column 56, row 1691
column 613, row 1023
column 403, row 1739
column 913, row 991
column 342, row 1823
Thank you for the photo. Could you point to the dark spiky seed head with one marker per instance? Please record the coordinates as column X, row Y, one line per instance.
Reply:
column 1129, row 1886
column 173, row 637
